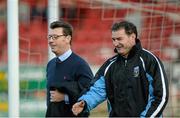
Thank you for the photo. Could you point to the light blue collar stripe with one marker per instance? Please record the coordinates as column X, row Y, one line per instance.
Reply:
column 151, row 96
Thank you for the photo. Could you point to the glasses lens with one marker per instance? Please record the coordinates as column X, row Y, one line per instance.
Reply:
column 54, row 37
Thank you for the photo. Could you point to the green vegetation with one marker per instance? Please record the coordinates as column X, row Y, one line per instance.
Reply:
column 4, row 85
column 24, row 85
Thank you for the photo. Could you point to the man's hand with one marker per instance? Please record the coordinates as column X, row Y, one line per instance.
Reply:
column 56, row 96
column 78, row 107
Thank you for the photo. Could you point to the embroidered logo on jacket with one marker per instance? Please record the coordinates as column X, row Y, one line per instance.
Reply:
column 136, row 71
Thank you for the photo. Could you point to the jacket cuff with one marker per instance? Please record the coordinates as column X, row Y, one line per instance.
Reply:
column 66, row 99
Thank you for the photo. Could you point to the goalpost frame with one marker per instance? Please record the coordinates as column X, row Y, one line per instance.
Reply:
column 13, row 51
column 53, row 15
column 13, row 57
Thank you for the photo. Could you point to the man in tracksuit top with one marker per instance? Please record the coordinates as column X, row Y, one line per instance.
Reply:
column 133, row 81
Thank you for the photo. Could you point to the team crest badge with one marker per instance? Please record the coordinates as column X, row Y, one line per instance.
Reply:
column 136, row 71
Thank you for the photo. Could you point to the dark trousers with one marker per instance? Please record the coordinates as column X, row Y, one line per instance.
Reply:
column 60, row 109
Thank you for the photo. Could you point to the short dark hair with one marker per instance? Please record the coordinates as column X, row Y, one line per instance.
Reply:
column 129, row 27
column 67, row 28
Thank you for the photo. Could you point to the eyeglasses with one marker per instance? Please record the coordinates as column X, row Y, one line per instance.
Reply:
column 54, row 37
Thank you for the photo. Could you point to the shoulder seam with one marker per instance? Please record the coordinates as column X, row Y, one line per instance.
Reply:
column 111, row 62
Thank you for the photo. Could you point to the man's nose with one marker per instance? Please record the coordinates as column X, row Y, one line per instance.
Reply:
column 116, row 43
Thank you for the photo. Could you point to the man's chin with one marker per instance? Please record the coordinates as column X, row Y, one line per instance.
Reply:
column 119, row 52
column 52, row 50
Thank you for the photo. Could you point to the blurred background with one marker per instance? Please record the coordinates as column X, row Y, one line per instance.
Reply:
column 157, row 21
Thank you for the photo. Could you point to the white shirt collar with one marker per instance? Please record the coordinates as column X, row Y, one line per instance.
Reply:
column 65, row 55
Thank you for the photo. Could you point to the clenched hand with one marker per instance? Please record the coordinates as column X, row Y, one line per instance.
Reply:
column 56, row 96
column 78, row 107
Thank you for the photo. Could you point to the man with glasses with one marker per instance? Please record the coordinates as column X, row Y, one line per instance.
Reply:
column 67, row 74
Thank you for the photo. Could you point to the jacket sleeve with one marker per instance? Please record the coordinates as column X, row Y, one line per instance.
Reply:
column 158, row 88
column 84, row 76
column 81, row 82
column 71, row 89
column 96, row 94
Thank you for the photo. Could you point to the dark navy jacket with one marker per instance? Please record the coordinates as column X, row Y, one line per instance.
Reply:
column 136, row 86
column 71, row 77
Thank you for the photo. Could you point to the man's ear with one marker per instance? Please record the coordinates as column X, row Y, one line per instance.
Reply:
column 69, row 38
column 133, row 36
